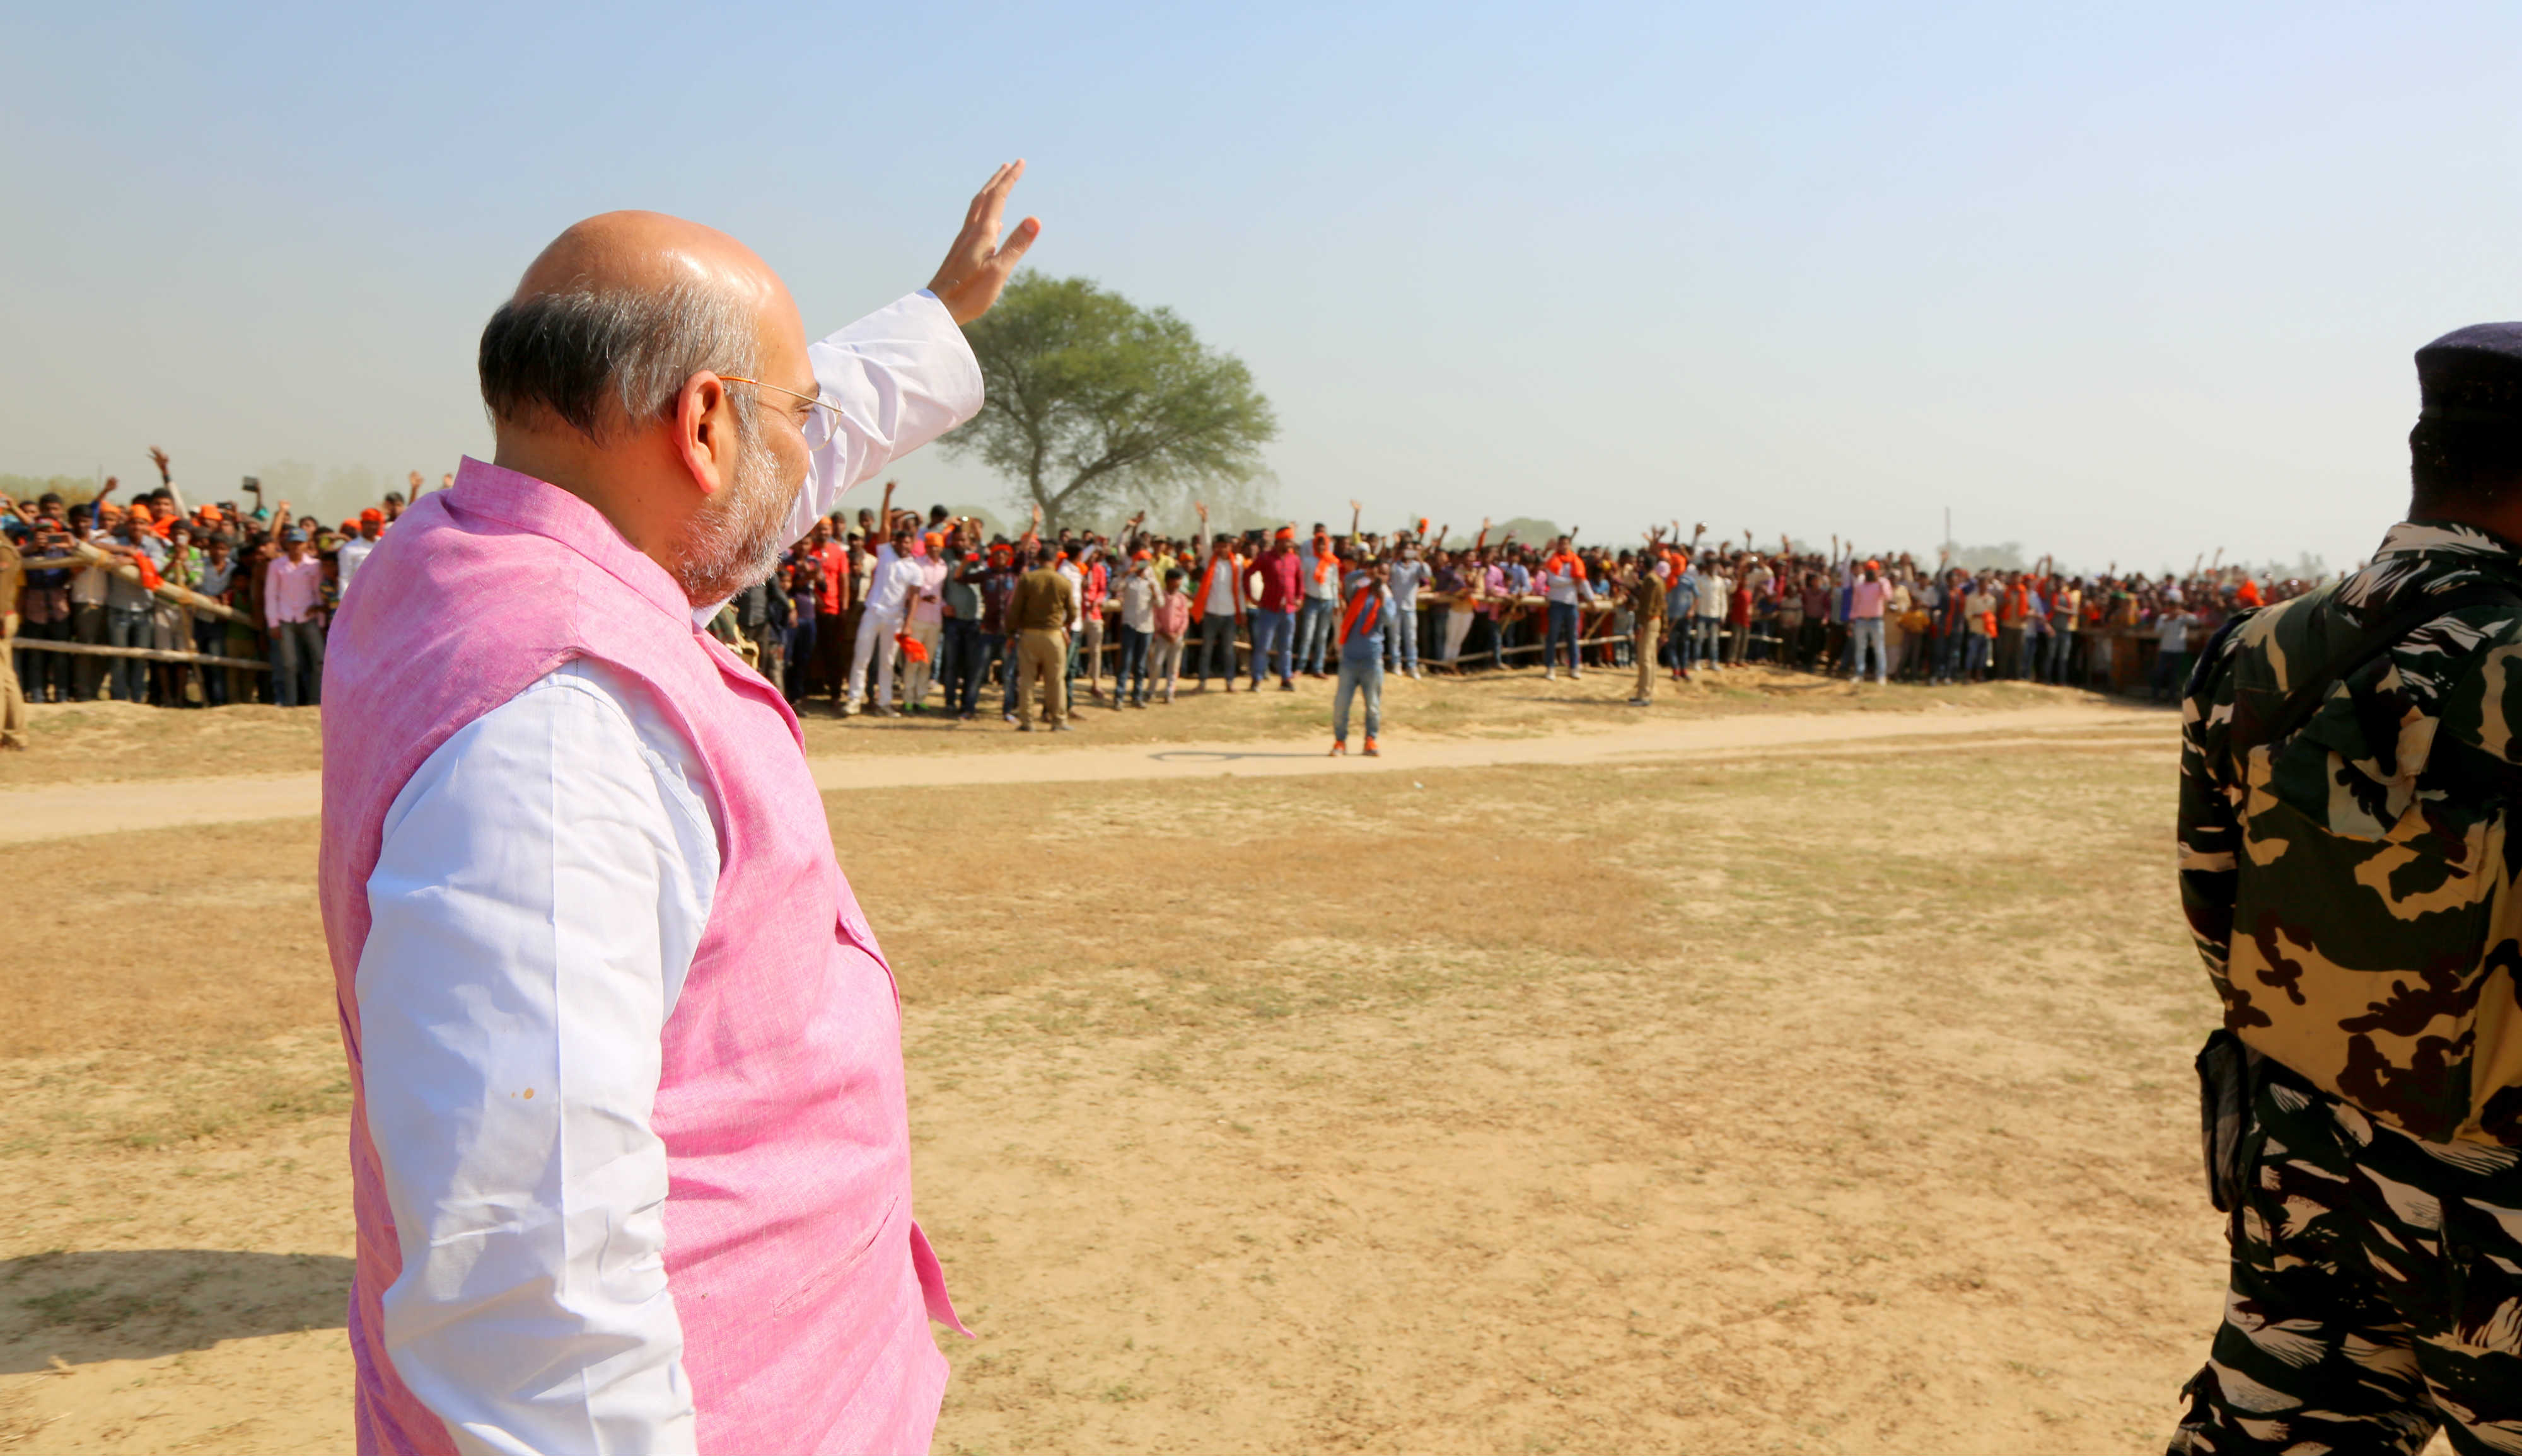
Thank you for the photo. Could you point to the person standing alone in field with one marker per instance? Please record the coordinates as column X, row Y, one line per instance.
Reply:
column 2347, row 820
column 629, row 1144
column 1045, row 602
column 1364, row 616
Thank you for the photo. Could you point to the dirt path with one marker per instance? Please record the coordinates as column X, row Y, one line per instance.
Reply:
column 58, row 812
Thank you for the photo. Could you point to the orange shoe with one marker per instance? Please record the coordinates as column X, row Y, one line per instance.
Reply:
column 1339, row 747
column 1370, row 750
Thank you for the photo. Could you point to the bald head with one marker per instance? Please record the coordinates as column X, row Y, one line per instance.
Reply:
column 649, row 252
column 618, row 372
column 619, row 311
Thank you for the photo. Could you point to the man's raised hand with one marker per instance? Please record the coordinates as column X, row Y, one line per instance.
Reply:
column 978, row 266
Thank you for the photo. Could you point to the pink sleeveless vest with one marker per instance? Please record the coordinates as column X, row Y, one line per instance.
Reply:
column 803, row 1288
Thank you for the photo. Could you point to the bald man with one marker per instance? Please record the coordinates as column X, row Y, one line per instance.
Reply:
column 630, row 1154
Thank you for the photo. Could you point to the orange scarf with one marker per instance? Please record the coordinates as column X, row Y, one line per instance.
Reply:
column 1208, row 578
column 1359, row 601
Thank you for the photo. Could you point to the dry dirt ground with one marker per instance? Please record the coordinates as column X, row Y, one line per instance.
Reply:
column 120, row 743
column 1832, row 1102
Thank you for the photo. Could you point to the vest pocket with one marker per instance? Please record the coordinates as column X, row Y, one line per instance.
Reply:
column 823, row 1278
column 2357, row 961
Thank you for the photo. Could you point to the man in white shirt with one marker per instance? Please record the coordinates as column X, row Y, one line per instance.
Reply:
column 1318, row 566
column 1401, row 643
column 1071, row 565
column 1140, row 592
column 540, row 914
column 897, row 579
column 1715, row 593
column 347, row 557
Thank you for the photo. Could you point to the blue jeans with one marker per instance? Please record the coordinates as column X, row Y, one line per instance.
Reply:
column 1313, row 632
column 1272, row 634
column 958, row 639
column 1975, row 650
column 1948, row 656
column 2170, row 675
column 976, row 666
column 1354, row 677
column 1563, row 628
column 1864, row 635
column 1401, row 644
column 801, row 657
column 210, row 640
column 1217, row 641
column 296, row 645
column 1130, row 678
column 129, row 626
column 1705, row 636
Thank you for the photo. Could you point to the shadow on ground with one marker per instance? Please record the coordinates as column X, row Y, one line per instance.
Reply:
column 137, row 1304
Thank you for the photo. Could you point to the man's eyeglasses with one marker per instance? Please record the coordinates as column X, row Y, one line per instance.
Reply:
column 830, row 413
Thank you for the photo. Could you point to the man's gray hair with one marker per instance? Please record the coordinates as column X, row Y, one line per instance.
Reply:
column 571, row 352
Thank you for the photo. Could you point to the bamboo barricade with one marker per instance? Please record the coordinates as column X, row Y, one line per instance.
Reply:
column 84, row 554
column 154, row 655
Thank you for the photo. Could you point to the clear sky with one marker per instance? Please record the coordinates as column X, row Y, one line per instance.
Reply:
column 2127, row 286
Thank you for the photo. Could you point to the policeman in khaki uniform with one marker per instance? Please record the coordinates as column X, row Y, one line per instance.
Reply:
column 2350, row 772
column 1045, row 603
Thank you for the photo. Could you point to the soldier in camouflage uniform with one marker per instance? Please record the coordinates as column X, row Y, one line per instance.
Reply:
column 2351, row 762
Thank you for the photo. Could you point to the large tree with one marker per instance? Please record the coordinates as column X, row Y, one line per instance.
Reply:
column 1096, row 405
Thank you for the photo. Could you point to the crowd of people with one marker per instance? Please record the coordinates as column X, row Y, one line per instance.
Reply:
column 893, row 612
column 1255, row 606
column 95, row 573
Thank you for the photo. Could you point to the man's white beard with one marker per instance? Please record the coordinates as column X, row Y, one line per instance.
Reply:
column 734, row 538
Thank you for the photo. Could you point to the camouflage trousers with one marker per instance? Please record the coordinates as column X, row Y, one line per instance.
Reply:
column 2376, row 1290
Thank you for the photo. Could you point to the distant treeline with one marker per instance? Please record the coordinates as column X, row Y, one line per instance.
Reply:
column 72, row 489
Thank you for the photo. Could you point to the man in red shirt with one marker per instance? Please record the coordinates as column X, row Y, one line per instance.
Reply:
column 831, row 653
column 1274, row 617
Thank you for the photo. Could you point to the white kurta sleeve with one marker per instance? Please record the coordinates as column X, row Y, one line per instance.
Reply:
column 902, row 376
column 543, row 886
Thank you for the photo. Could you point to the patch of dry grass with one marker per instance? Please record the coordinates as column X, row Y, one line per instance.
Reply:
column 122, row 742
column 164, row 942
column 114, row 741
column 1828, row 1103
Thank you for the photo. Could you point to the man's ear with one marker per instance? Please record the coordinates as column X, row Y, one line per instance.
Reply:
column 705, row 433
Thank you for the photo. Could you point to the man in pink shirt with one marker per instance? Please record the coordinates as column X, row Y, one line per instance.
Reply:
column 1865, row 599
column 293, row 592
